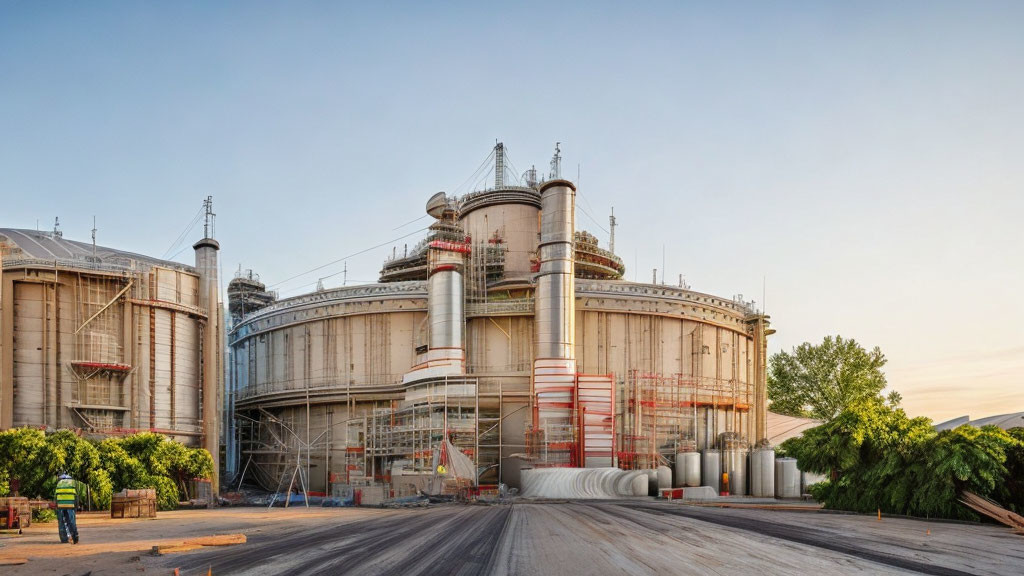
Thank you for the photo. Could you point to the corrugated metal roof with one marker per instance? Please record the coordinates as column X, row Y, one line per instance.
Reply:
column 1004, row 421
column 37, row 245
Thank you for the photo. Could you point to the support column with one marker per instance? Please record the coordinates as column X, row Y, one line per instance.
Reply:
column 759, row 328
column 6, row 350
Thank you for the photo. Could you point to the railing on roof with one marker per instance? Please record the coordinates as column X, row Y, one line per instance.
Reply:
column 515, row 306
column 86, row 264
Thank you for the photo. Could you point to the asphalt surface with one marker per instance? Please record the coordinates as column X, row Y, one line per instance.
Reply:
column 620, row 537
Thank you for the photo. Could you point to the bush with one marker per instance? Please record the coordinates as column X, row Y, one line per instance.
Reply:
column 876, row 457
column 43, row 515
column 144, row 460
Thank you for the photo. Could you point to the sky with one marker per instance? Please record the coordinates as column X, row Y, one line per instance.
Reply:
column 853, row 167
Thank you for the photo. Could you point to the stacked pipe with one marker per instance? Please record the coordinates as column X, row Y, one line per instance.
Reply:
column 578, row 483
column 554, row 374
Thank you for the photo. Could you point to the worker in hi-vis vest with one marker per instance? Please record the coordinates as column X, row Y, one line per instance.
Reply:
column 66, row 497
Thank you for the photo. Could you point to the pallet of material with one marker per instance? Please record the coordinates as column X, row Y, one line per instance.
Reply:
column 133, row 504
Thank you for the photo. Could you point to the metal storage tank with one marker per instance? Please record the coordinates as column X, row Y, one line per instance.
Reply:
column 664, row 477
column 734, row 461
column 762, row 473
column 102, row 340
column 687, row 472
column 787, row 478
column 711, row 468
column 652, row 481
column 351, row 347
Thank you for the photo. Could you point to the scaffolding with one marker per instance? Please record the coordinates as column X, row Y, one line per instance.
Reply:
column 98, row 366
column 663, row 414
column 574, row 421
column 410, row 431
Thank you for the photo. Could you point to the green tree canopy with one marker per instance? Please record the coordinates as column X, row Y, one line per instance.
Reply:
column 144, row 460
column 875, row 457
column 821, row 381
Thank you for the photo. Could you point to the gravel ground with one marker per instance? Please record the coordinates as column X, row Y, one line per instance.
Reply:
column 529, row 538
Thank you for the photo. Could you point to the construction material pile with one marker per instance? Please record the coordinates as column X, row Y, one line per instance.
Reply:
column 583, row 483
column 994, row 511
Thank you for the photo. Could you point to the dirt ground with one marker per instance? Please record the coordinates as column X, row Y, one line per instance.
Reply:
column 641, row 536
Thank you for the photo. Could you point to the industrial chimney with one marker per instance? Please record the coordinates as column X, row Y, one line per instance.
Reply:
column 554, row 367
column 212, row 367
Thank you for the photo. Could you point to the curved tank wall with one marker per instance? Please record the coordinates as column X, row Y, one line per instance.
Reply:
column 516, row 223
column 349, row 348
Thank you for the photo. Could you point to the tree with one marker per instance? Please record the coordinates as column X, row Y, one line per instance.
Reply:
column 821, row 381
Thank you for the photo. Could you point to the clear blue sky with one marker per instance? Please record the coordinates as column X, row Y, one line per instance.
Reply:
column 866, row 159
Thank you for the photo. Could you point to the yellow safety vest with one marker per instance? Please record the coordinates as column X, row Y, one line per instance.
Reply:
column 66, row 494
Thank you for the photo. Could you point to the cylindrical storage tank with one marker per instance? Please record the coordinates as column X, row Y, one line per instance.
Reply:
column 734, row 461
column 762, row 473
column 712, row 469
column 512, row 214
column 809, row 479
column 787, row 478
column 687, row 472
column 664, row 477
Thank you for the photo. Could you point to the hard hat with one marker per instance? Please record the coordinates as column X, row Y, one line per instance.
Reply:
column 64, row 476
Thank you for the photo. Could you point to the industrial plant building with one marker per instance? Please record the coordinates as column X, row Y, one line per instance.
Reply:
column 110, row 342
column 507, row 335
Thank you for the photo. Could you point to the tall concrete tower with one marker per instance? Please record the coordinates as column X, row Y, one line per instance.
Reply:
column 212, row 344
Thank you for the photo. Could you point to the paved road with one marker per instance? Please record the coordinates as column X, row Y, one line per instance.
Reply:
column 621, row 537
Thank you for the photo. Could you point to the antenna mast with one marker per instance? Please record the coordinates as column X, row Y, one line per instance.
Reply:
column 499, row 164
column 611, row 235
column 556, row 162
column 210, row 223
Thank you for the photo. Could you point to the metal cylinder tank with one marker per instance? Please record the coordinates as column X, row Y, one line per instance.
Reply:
column 711, row 467
column 734, row 461
column 652, row 481
column 787, row 478
column 556, row 294
column 762, row 473
column 664, row 477
column 687, row 469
